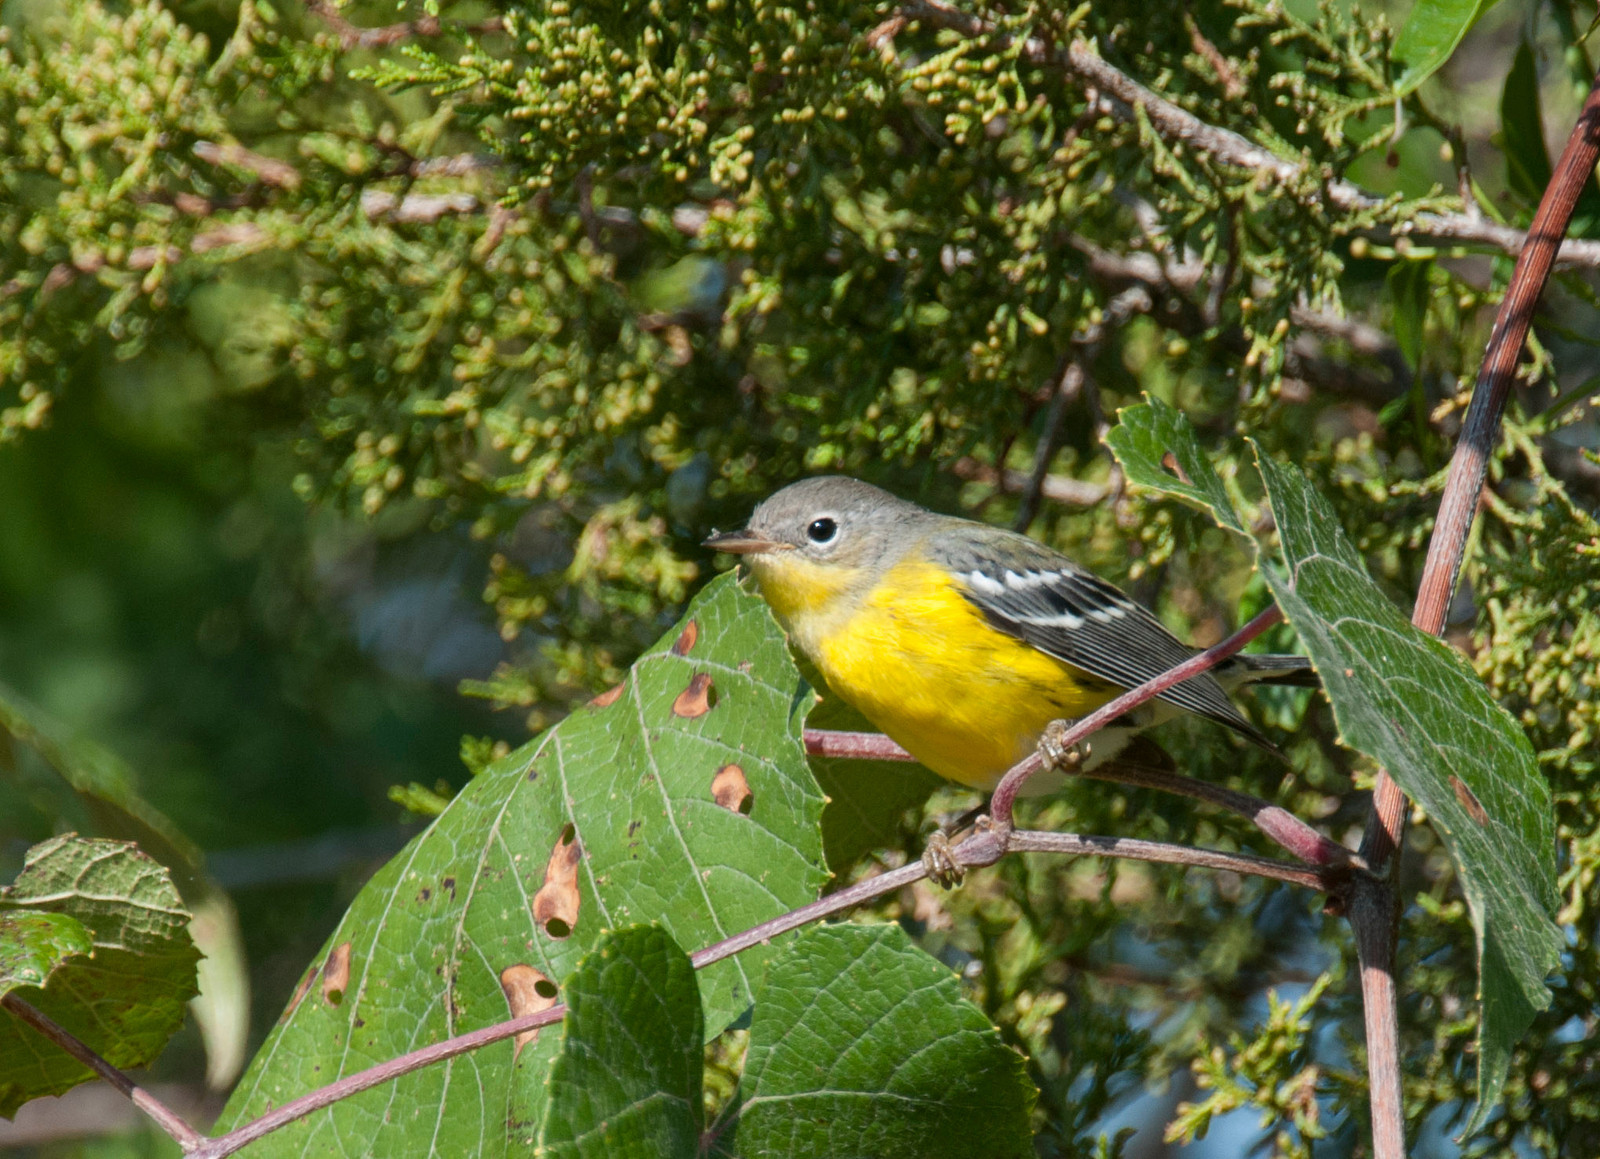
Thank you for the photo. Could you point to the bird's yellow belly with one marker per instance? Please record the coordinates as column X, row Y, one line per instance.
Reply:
column 920, row 662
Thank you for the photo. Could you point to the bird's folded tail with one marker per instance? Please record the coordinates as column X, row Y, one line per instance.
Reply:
column 1247, row 668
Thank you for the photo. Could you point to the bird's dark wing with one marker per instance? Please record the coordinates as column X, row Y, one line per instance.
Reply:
column 1045, row 600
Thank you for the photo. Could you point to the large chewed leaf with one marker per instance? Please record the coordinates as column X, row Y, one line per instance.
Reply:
column 93, row 934
column 862, row 1044
column 680, row 797
column 1430, row 35
column 1408, row 700
column 626, row 1084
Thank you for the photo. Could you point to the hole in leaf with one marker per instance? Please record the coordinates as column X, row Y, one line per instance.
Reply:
column 527, row 992
column 697, row 699
column 609, row 697
column 336, row 975
column 1170, row 463
column 685, row 641
column 731, row 790
column 555, row 906
column 300, row 992
column 1469, row 800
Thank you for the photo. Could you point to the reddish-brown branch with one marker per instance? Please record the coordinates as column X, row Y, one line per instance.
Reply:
column 160, row 1114
column 857, row 746
column 1282, row 826
column 1375, row 908
column 1006, row 795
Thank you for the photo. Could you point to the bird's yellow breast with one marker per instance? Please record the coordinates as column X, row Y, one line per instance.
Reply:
column 920, row 661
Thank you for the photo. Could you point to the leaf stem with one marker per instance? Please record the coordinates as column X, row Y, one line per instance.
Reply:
column 162, row 1115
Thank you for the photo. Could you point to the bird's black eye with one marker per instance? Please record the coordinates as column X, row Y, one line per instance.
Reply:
column 822, row 530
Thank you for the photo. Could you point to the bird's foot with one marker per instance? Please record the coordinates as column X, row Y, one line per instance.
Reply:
column 1056, row 753
column 938, row 858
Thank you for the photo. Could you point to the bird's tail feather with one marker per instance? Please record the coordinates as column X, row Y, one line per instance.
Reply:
column 1294, row 671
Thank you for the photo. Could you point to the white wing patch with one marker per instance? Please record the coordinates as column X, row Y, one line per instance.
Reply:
column 986, row 584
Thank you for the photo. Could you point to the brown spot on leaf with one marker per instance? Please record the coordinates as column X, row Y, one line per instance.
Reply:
column 449, row 885
column 527, row 992
column 336, row 975
column 300, row 992
column 424, row 894
column 695, row 700
column 685, row 641
column 1469, row 800
column 730, row 789
column 555, row 906
column 609, row 697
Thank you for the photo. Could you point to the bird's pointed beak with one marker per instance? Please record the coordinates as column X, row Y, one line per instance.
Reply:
column 744, row 542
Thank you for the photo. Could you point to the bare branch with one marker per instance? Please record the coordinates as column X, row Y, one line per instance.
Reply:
column 353, row 36
column 160, row 1114
column 1056, row 488
column 1120, row 95
column 1375, row 913
column 1322, row 879
column 277, row 173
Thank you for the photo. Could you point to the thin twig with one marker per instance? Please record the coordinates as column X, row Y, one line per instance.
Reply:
column 1005, row 796
column 1069, row 378
column 1324, row 879
column 848, row 898
column 160, row 1114
column 1120, row 95
column 1282, row 826
column 1276, row 822
column 353, row 36
column 272, row 171
column 1056, row 488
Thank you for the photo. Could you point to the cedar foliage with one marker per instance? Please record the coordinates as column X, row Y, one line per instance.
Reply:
column 590, row 279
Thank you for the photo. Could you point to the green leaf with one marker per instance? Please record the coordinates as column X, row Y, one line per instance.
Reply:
column 1522, row 128
column 1158, row 448
column 1408, row 287
column 1411, row 702
column 1430, row 35
column 627, row 1081
column 107, row 900
column 861, row 1044
column 618, row 801
column 32, row 945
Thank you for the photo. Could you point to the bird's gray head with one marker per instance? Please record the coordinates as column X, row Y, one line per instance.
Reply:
column 831, row 520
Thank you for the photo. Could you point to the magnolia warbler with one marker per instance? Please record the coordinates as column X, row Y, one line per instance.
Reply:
column 961, row 641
